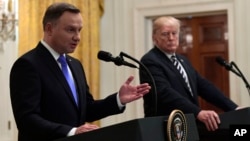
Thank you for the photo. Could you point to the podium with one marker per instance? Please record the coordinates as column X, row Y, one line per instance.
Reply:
column 144, row 129
column 241, row 116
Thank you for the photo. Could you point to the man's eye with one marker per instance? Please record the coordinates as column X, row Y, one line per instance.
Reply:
column 167, row 34
column 70, row 30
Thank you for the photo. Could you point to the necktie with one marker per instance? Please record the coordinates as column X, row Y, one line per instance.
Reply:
column 180, row 68
column 69, row 78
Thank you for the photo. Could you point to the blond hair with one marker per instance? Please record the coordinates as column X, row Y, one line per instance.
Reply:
column 165, row 20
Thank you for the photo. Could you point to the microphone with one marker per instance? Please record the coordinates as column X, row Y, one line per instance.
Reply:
column 222, row 62
column 228, row 66
column 106, row 56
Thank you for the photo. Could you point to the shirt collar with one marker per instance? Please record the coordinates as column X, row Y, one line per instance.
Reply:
column 51, row 50
column 167, row 54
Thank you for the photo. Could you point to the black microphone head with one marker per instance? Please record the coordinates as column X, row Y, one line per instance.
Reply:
column 220, row 60
column 105, row 56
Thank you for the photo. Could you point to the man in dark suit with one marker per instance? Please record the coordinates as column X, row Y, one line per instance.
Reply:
column 178, row 84
column 43, row 103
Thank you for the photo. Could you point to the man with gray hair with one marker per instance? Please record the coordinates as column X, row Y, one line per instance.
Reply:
column 178, row 84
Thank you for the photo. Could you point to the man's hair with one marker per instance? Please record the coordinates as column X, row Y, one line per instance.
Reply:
column 165, row 20
column 55, row 11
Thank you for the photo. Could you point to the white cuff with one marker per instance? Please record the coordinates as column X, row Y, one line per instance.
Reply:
column 120, row 105
column 72, row 132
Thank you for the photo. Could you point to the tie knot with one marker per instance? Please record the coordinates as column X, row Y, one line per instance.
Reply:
column 62, row 59
column 173, row 58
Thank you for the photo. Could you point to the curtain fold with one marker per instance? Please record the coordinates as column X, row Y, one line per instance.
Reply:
column 30, row 33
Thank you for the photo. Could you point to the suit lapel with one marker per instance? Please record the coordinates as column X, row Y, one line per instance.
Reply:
column 167, row 61
column 185, row 66
column 171, row 66
column 52, row 64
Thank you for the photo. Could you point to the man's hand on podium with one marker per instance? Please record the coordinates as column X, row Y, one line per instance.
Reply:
column 209, row 118
column 239, row 108
column 85, row 128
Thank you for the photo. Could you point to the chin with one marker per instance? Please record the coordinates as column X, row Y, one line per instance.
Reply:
column 71, row 51
column 171, row 50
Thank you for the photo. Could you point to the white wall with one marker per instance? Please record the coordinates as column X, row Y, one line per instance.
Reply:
column 7, row 123
column 8, row 54
column 117, row 35
column 125, row 27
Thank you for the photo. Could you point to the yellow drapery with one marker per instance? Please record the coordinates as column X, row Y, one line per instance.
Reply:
column 30, row 32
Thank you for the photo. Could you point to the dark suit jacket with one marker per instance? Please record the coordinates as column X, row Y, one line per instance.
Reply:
column 172, row 91
column 42, row 102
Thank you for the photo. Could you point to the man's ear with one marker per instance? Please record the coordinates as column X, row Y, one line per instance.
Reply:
column 48, row 28
column 154, row 40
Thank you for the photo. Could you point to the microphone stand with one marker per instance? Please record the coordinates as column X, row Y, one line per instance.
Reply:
column 154, row 95
column 234, row 71
column 240, row 74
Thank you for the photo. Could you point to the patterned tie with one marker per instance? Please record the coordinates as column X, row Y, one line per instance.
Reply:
column 69, row 78
column 182, row 71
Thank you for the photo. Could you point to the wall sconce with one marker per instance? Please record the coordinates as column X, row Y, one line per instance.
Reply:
column 8, row 20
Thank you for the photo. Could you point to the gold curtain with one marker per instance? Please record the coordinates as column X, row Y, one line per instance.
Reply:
column 30, row 33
